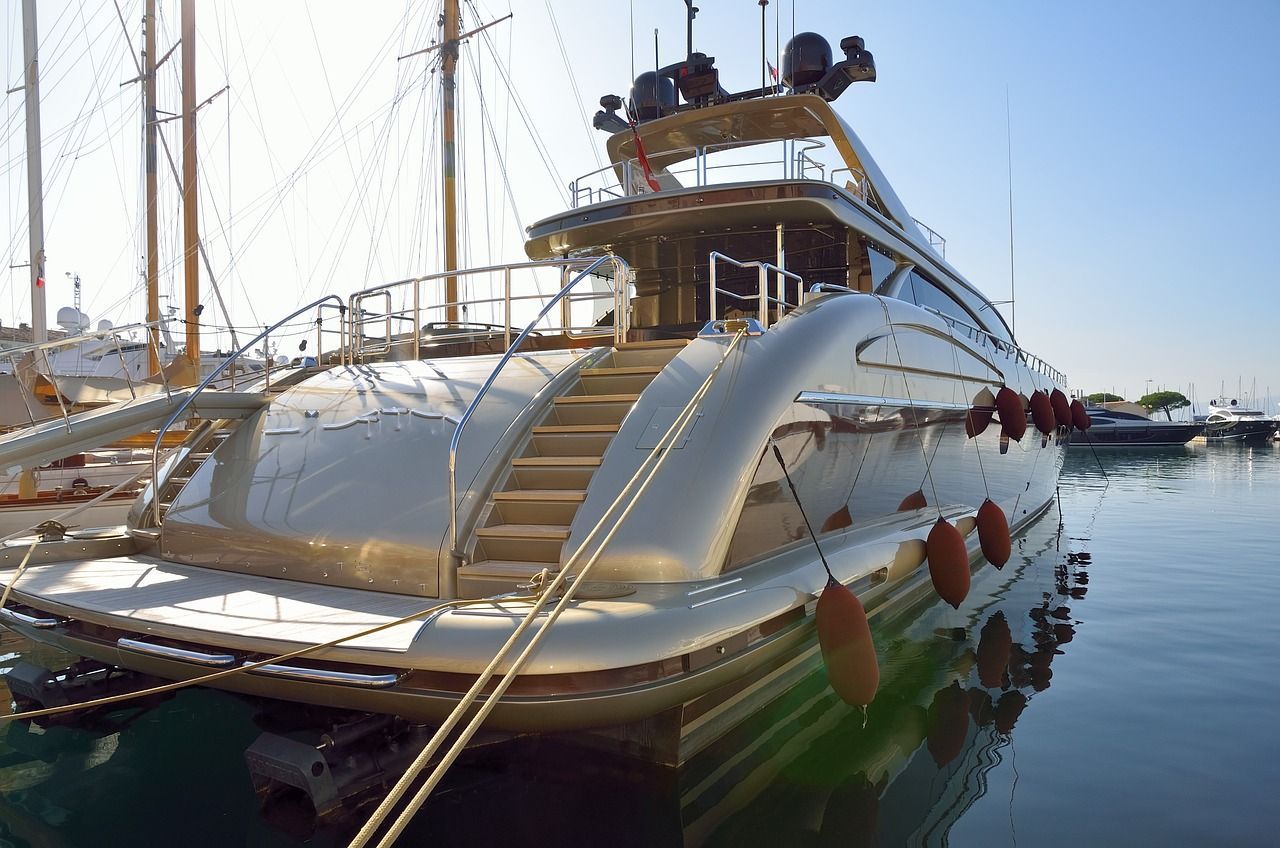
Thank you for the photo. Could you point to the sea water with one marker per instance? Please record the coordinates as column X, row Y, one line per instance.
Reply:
column 1116, row 683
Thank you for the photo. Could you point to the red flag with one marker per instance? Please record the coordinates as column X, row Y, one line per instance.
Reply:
column 644, row 161
column 773, row 72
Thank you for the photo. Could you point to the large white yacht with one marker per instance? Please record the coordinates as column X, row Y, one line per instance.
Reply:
column 1228, row 420
column 722, row 291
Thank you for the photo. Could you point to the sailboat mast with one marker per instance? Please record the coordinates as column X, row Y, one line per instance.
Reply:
column 35, row 173
column 189, row 191
column 149, row 158
column 449, row 64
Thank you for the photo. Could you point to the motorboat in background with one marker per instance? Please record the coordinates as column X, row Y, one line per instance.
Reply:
column 711, row 344
column 1126, row 425
column 1229, row 421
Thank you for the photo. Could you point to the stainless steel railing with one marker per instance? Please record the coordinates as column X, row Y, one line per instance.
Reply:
column 626, row 178
column 622, row 272
column 417, row 308
column 987, row 339
column 765, row 303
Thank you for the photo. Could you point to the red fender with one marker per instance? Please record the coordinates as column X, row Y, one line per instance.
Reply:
column 993, row 533
column 1061, row 408
column 1042, row 412
column 847, row 649
column 948, row 562
column 1079, row 417
column 1013, row 415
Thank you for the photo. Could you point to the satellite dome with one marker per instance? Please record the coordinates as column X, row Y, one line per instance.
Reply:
column 806, row 59
column 71, row 319
column 105, row 324
column 652, row 95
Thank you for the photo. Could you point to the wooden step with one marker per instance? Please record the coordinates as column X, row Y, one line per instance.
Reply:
column 555, row 462
column 538, row 506
column 628, row 371
column 509, row 569
column 598, row 382
column 572, row 400
column 538, row 543
column 558, row 532
column 592, row 409
column 556, row 495
column 495, row 576
column 555, row 429
column 571, row 444
column 570, row 477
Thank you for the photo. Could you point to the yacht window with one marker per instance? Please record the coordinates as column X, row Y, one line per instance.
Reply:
column 925, row 293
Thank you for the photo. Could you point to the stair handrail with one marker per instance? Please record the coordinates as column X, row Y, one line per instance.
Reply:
column 213, row 375
column 622, row 272
column 762, row 296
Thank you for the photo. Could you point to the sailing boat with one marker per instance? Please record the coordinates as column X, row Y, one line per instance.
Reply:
column 82, row 371
column 630, row 517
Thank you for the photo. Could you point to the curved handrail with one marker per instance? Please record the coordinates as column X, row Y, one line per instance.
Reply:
column 621, row 270
column 182, row 407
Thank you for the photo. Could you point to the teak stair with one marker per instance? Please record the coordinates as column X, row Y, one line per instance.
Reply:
column 528, row 520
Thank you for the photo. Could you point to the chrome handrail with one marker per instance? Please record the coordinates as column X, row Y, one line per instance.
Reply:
column 1032, row 361
column 621, row 272
column 762, row 292
column 936, row 241
column 213, row 375
column 620, row 320
column 795, row 164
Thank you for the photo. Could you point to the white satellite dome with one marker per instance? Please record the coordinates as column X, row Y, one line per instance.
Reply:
column 104, row 325
column 71, row 319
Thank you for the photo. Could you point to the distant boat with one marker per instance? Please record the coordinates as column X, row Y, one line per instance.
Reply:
column 1229, row 421
column 1127, row 425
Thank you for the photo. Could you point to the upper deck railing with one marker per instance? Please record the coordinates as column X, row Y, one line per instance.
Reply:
column 414, row 312
column 785, row 159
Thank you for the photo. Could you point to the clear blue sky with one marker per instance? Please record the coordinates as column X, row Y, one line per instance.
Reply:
column 1145, row 179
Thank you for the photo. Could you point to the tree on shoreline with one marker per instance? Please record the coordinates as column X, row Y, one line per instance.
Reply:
column 1166, row 401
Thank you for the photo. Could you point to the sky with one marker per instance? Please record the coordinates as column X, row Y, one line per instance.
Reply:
column 1140, row 139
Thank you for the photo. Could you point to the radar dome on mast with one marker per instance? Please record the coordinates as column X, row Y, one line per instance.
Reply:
column 72, row 320
column 652, row 96
column 806, row 60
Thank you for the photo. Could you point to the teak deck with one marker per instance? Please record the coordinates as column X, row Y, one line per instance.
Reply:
column 169, row 599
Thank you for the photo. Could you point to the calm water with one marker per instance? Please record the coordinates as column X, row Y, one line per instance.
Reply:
column 1116, row 684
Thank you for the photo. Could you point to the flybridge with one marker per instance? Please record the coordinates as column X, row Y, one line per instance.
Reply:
column 807, row 68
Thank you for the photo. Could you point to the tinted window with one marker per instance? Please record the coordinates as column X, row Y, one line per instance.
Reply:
column 925, row 293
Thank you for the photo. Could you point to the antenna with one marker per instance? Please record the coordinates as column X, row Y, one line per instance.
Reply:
column 631, row 9
column 1008, row 137
column 763, row 47
column 693, row 11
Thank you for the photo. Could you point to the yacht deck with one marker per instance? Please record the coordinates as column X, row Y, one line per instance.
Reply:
column 144, row 594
